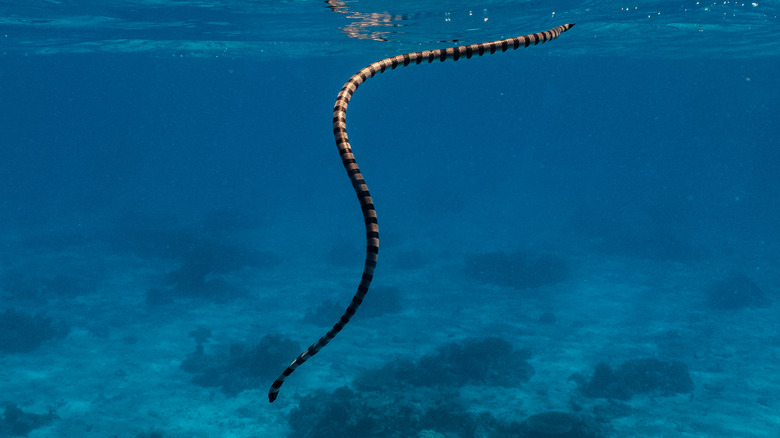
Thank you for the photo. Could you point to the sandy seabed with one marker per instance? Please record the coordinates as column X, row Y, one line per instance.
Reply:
column 117, row 372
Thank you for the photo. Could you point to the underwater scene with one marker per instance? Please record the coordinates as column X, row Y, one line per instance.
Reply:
column 578, row 238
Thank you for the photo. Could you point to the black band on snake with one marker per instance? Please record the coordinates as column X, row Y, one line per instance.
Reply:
column 348, row 159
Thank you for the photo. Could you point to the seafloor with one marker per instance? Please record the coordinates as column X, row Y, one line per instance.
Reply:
column 172, row 333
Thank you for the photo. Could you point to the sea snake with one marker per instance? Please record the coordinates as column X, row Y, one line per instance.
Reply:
column 348, row 159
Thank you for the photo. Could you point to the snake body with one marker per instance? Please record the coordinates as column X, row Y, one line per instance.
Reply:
column 359, row 184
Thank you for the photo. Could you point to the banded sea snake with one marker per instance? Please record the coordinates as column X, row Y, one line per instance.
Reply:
column 348, row 159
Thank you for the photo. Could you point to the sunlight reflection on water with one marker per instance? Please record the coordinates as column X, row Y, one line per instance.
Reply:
column 295, row 28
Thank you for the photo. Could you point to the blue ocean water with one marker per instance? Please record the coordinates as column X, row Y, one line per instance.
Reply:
column 579, row 239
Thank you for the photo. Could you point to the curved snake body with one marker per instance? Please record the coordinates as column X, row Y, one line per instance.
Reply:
column 359, row 184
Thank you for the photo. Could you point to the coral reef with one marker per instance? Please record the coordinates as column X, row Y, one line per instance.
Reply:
column 16, row 422
column 637, row 376
column 243, row 366
column 21, row 333
column 428, row 413
column 152, row 433
column 201, row 334
column 554, row 424
column 610, row 409
column 198, row 277
column 549, row 424
column 486, row 361
column 201, row 274
column 345, row 413
column 383, row 300
column 421, row 399
column 735, row 292
column 520, row 270
column 204, row 255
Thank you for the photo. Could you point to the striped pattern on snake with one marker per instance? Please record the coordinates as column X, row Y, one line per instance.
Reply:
column 359, row 184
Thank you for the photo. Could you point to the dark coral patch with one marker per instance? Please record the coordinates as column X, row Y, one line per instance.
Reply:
column 16, row 422
column 475, row 361
column 243, row 366
column 555, row 424
column 345, row 413
column 638, row 376
column 735, row 292
column 22, row 333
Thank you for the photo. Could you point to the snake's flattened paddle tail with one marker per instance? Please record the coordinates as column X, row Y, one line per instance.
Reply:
column 359, row 184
